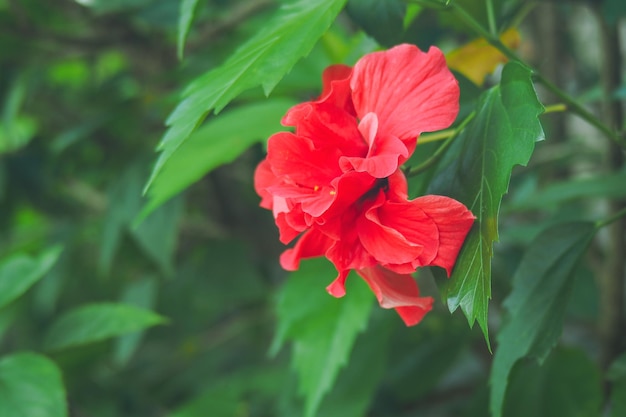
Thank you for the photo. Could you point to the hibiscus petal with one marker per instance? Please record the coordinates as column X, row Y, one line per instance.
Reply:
column 409, row 90
column 311, row 244
column 397, row 291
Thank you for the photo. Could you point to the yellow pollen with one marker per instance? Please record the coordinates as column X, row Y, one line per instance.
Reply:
column 317, row 187
column 333, row 192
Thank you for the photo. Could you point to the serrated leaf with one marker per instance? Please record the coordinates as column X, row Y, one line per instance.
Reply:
column 537, row 303
column 187, row 8
column 31, row 386
column 95, row 322
column 263, row 60
column 19, row 272
column 383, row 20
column 502, row 135
column 217, row 142
column 322, row 328
column 567, row 384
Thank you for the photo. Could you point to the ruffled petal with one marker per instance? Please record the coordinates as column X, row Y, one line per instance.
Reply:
column 296, row 159
column 397, row 291
column 264, row 178
column 453, row 221
column 336, row 87
column 438, row 224
column 337, row 288
column 386, row 244
column 310, row 245
column 328, row 126
column 409, row 90
column 385, row 153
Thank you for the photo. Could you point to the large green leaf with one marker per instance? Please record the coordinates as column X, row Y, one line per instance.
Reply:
column 217, row 142
column 95, row 322
column 502, row 135
column 31, row 386
column 567, row 384
column 323, row 329
column 19, row 272
column 187, row 8
column 263, row 60
column 536, row 306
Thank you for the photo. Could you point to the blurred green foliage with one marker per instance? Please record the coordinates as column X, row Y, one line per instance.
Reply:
column 113, row 304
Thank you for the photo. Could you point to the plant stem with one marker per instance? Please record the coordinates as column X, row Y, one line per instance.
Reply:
column 452, row 134
column 555, row 108
column 436, row 136
column 491, row 18
column 583, row 113
column 613, row 218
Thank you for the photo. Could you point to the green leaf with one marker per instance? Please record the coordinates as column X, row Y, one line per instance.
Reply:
column 603, row 186
column 19, row 272
column 357, row 383
column 502, row 135
column 617, row 370
column 141, row 293
column 95, row 322
column 16, row 129
column 537, row 303
column 31, row 386
column 157, row 234
column 613, row 10
column 567, row 384
column 383, row 20
column 618, row 398
column 617, row 375
column 263, row 60
column 323, row 329
column 217, row 142
column 225, row 396
column 187, row 8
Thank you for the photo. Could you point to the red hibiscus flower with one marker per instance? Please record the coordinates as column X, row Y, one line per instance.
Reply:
column 336, row 182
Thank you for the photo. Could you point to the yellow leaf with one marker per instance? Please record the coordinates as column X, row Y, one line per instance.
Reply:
column 477, row 59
